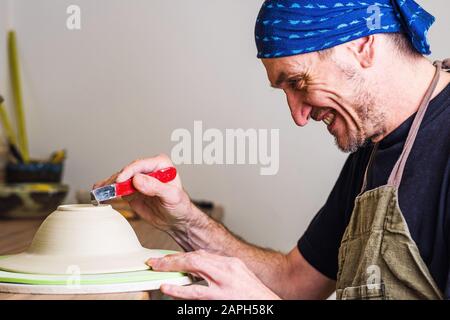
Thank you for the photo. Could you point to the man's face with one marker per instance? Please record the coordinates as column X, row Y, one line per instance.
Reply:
column 329, row 89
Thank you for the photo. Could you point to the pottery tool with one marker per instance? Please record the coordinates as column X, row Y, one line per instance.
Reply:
column 126, row 188
column 17, row 94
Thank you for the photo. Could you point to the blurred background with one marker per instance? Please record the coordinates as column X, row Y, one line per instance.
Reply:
column 139, row 69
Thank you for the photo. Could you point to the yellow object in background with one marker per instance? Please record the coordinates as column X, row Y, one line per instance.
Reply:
column 58, row 156
column 17, row 94
column 10, row 135
column 7, row 125
column 41, row 187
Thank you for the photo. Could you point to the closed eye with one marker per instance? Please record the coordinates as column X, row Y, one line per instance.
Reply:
column 297, row 83
column 293, row 83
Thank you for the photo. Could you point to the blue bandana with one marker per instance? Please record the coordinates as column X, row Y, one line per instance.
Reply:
column 290, row 27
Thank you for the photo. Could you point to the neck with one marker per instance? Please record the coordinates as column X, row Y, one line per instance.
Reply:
column 402, row 86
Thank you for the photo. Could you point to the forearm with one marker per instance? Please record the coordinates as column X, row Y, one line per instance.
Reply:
column 207, row 234
column 168, row 208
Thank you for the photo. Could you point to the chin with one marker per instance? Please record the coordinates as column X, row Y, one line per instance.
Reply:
column 347, row 143
column 345, row 147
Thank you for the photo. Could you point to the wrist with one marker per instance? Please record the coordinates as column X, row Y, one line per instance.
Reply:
column 190, row 231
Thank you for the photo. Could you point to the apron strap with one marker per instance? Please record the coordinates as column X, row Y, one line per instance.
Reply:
column 396, row 175
column 397, row 172
column 369, row 165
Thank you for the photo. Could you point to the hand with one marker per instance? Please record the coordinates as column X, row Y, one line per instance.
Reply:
column 227, row 278
column 165, row 205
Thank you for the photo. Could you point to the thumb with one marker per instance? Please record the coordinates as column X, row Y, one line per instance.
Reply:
column 152, row 187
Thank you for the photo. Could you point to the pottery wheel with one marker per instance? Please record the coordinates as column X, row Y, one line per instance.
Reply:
column 11, row 282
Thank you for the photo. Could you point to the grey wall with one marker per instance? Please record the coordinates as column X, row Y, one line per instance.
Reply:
column 139, row 69
column 4, row 22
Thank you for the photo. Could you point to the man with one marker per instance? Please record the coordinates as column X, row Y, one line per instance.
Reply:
column 367, row 85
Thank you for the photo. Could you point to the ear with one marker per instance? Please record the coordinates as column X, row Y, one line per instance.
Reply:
column 363, row 49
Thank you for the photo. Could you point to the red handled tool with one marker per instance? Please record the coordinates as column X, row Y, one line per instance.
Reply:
column 126, row 188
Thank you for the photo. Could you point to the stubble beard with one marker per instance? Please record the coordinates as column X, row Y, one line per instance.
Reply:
column 371, row 116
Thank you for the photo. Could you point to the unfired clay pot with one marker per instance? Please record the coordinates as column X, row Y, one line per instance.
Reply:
column 82, row 238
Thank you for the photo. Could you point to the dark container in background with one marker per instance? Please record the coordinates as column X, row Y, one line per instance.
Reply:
column 34, row 171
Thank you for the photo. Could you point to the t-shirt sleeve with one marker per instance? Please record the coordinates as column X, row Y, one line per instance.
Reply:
column 320, row 243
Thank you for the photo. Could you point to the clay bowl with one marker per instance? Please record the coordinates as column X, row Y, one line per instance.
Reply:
column 85, row 238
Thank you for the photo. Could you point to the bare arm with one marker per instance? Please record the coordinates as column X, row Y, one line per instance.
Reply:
column 215, row 254
column 289, row 276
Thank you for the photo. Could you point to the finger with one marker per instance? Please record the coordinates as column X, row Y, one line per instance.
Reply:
column 168, row 263
column 192, row 292
column 171, row 262
column 152, row 187
column 144, row 166
column 211, row 267
column 156, row 266
column 197, row 263
column 180, row 262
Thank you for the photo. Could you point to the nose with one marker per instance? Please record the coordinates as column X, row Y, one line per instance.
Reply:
column 300, row 110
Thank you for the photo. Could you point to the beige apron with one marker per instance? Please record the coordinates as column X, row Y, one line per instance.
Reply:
column 378, row 259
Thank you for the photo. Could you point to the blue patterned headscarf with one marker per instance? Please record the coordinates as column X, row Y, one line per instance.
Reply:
column 290, row 27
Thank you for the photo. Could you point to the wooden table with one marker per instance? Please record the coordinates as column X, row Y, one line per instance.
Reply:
column 16, row 236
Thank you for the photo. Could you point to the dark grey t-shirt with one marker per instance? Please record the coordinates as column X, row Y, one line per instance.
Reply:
column 424, row 194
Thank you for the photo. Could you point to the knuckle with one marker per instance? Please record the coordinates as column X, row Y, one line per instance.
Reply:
column 163, row 156
column 236, row 263
column 144, row 186
column 149, row 182
column 189, row 257
column 165, row 159
column 137, row 161
column 162, row 263
column 192, row 261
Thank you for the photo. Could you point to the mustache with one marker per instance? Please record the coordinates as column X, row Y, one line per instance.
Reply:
column 318, row 112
